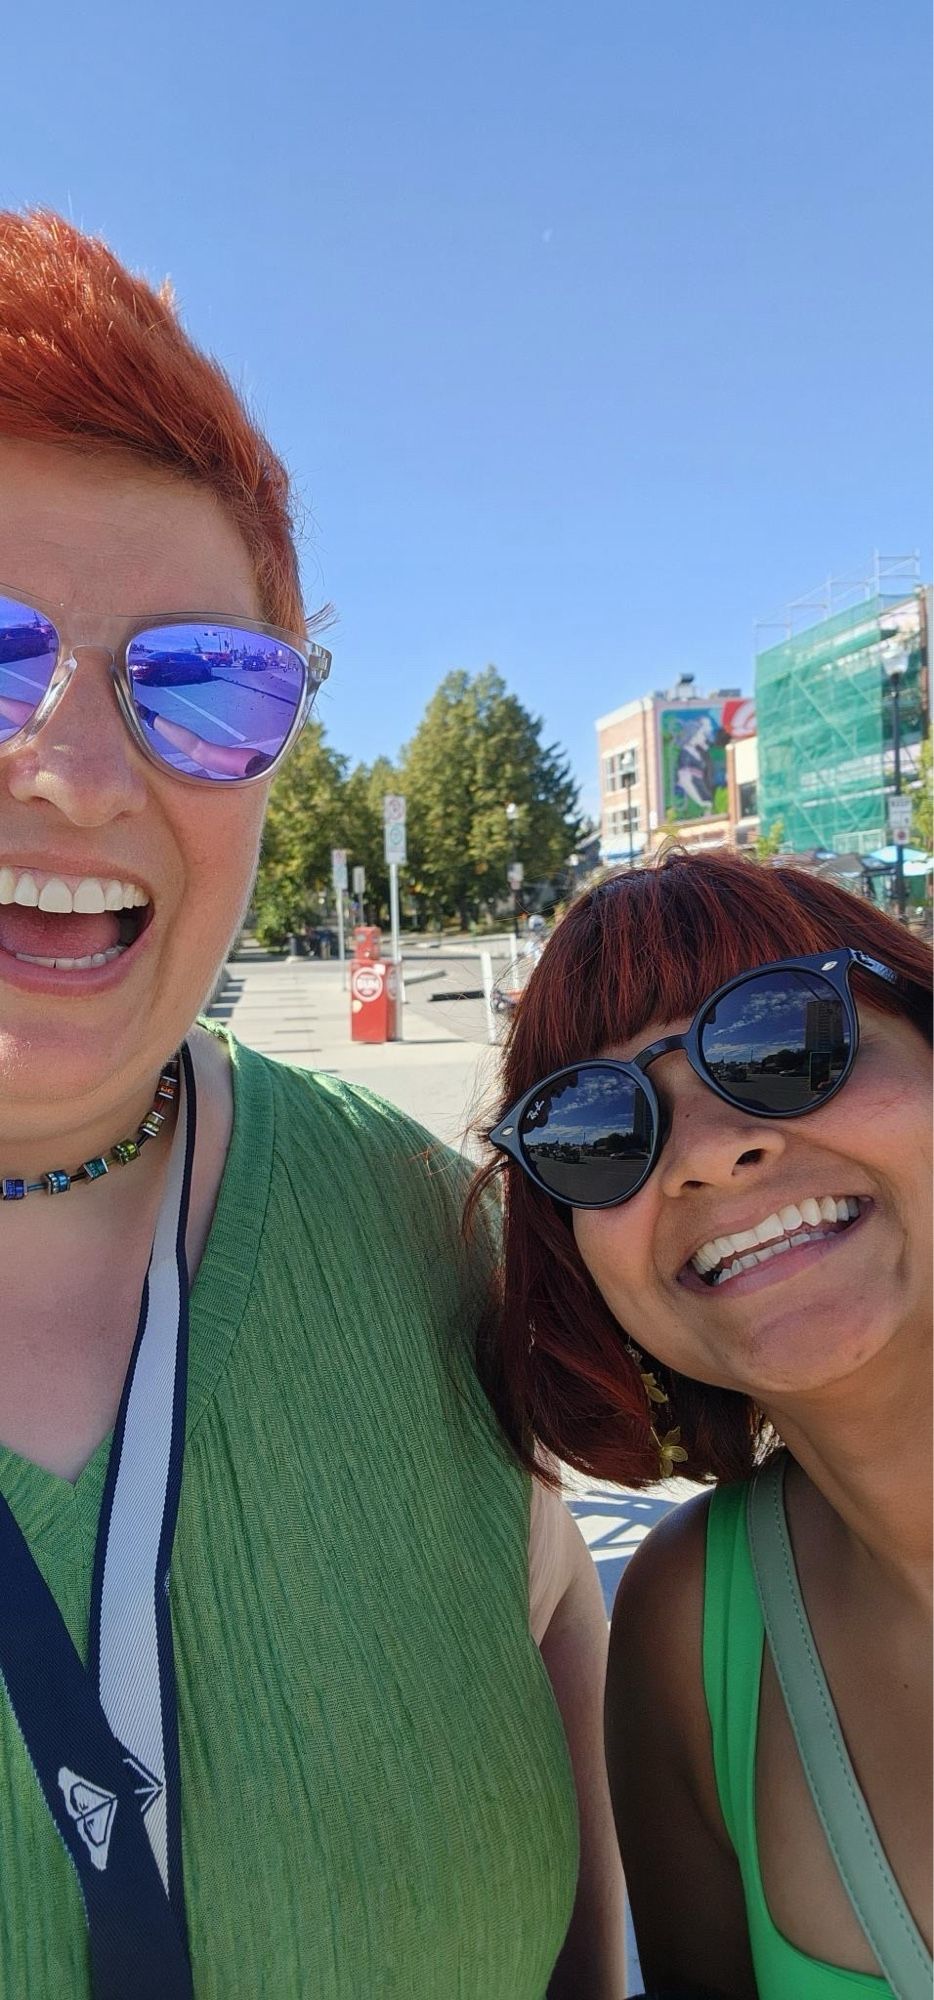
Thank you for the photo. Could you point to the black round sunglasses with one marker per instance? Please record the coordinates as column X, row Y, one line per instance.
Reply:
column 776, row 1042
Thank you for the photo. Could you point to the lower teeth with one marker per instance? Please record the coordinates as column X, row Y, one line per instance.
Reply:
column 73, row 964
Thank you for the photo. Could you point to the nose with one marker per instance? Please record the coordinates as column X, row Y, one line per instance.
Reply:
column 710, row 1143
column 83, row 760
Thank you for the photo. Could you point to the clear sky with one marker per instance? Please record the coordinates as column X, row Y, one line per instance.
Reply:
column 591, row 333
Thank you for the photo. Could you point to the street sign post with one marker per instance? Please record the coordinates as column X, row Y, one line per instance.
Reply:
column 339, row 879
column 359, row 881
column 395, row 852
column 899, row 813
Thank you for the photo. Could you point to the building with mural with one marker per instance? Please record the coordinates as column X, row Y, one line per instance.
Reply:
column 825, row 707
column 663, row 769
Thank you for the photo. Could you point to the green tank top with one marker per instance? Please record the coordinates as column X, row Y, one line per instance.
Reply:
column 734, row 1636
column 377, row 1797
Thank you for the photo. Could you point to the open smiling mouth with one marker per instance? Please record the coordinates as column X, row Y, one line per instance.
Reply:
column 69, row 924
column 794, row 1227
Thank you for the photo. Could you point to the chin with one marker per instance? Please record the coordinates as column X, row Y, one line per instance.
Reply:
column 60, row 1053
column 806, row 1352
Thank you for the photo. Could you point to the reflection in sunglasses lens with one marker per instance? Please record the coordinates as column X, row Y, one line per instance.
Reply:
column 28, row 652
column 777, row 1043
column 588, row 1135
column 215, row 701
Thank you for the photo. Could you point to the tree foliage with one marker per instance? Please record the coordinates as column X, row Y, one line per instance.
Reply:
column 768, row 843
column 922, row 822
column 362, row 828
column 476, row 750
column 305, row 810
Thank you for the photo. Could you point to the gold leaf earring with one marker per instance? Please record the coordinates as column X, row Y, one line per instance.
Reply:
column 670, row 1450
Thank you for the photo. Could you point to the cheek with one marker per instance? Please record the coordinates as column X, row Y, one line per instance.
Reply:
column 614, row 1245
column 221, row 839
column 218, row 840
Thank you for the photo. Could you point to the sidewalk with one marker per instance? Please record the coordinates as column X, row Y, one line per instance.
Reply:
column 298, row 1010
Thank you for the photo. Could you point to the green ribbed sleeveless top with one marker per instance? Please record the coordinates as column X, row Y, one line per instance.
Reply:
column 734, row 1637
column 377, row 1796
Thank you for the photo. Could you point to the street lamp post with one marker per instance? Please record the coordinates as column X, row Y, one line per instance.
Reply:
column 511, row 812
column 895, row 668
column 628, row 779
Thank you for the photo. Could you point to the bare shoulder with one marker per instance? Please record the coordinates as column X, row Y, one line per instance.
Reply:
column 655, row 1674
column 662, row 1588
column 684, row 1879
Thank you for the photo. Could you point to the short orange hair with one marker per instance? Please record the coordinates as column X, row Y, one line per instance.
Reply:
column 91, row 355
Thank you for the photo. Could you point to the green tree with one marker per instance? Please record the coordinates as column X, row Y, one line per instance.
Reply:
column 922, row 823
column 364, row 793
column 767, row 844
column 305, row 819
column 477, row 750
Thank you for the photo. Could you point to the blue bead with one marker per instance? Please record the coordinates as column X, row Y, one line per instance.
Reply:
column 93, row 1169
column 57, row 1182
column 13, row 1190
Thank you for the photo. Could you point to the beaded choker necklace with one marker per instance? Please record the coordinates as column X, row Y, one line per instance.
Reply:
column 57, row 1181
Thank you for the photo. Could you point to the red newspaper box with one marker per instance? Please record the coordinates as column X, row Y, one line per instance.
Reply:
column 367, row 943
column 374, row 994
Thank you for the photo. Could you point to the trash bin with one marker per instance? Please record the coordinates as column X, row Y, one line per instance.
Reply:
column 367, row 944
column 374, row 995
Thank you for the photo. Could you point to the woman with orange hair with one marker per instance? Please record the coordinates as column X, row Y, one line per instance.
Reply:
column 716, row 1137
column 280, row 1726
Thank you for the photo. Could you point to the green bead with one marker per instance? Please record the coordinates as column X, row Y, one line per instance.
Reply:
column 125, row 1151
column 152, row 1125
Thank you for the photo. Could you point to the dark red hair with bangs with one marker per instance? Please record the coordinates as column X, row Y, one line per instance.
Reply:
column 93, row 358
column 643, row 948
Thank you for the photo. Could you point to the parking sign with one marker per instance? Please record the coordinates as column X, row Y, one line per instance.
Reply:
column 394, row 829
column 899, row 810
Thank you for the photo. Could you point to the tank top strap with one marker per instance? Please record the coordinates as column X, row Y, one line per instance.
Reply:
column 733, row 1635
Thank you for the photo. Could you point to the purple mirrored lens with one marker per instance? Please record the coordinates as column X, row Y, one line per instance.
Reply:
column 28, row 652
column 215, row 701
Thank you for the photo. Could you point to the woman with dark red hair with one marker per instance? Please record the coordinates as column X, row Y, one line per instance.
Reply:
column 717, row 1149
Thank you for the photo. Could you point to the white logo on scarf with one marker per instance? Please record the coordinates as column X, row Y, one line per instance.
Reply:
column 92, row 1811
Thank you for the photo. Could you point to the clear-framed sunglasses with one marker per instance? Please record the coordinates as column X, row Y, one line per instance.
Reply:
column 213, row 699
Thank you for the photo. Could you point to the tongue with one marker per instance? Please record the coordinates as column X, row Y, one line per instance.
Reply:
column 42, row 934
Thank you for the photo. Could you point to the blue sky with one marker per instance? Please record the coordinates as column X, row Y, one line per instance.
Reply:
column 591, row 334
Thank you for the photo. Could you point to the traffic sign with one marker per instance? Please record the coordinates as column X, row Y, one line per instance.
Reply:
column 339, row 867
column 395, row 847
column 899, row 812
column 394, row 830
column 515, row 875
column 359, row 881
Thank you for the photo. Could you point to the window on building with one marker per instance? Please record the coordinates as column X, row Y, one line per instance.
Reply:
column 747, row 801
column 620, row 767
column 621, row 821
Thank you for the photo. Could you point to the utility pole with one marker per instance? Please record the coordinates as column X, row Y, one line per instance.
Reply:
column 895, row 666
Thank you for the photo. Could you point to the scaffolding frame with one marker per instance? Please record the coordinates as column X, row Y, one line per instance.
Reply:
column 824, row 720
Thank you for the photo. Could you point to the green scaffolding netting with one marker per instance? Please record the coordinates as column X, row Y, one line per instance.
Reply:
column 824, row 719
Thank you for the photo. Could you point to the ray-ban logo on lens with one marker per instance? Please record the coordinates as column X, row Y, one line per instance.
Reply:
column 92, row 1811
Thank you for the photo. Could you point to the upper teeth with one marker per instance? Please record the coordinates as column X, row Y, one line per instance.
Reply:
column 86, row 897
column 777, row 1232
